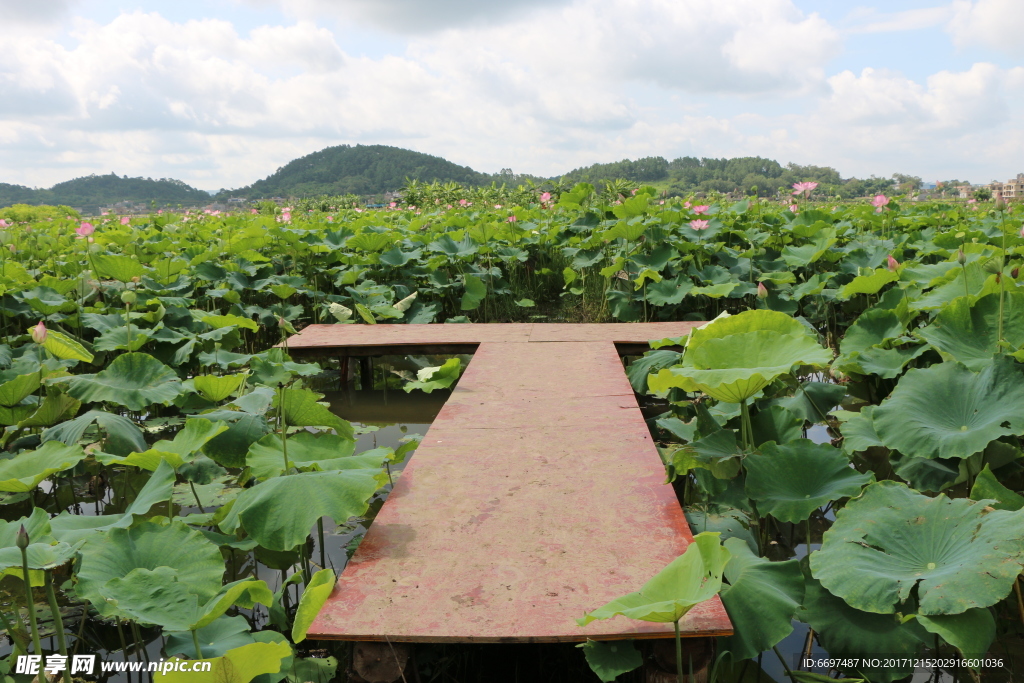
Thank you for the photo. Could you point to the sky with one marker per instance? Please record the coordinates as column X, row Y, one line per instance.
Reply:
column 220, row 93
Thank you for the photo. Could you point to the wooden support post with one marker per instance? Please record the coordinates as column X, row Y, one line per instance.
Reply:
column 365, row 373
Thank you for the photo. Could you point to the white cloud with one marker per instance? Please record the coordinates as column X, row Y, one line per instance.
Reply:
column 870, row 20
column 29, row 12
column 995, row 24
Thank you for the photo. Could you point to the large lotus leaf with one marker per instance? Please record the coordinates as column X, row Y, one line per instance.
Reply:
column 979, row 284
column 871, row 328
column 123, row 435
column 777, row 424
column 37, row 526
column 970, row 632
column 688, row 580
column 229, row 449
column 157, row 596
column 813, row 400
column 718, row 452
column 610, row 660
column 240, row 665
column 858, row 429
column 970, row 334
column 308, row 451
column 73, row 528
column 115, row 553
column 13, row 390
column 653, row 360
column 846, row 632
column 886, row 363
column 947, row 411
column 790, row 481
column 132, row 339
column 55, row 408
column 987, row 487
column 748, row 321
column 133, row 380
column 177, row 451
column 729, row 522
column 313, row 598
column 280, row 512
column 927, row 474
column 221, row 635
column 761, row 599
column 868, row 284
column 65, row 348
column 302, row 410
column 893, row 539
column 216, row 388
column 118, row 267
column 736, row 367
column 24, row 471
column 443, row 377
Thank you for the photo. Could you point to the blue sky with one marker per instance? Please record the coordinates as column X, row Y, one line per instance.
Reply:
column 220, row 93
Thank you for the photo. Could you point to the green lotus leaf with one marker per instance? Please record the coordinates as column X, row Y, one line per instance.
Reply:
column 302, row 410
column 872, row 328
column 219, row 321
column 846, row 632
column 970, row 632
column 65, row 348
column 313, row 598
column 893, row 539
column 177, row 451
column 123, row 435
column 687, row 581
column 858, row 430
column 55, row 408
column 970, row 333
column 37, row 526
column 229, row 449
column 133, row 380
column 651, row 361
column 116, row 267
column 216, row 638
column 979, row 284
column 116, row 553
column 748, row 321
column 718, row 452
column 868, row 284
column 131, row 339
column 45, row 300
column 987, row 487
column 24, row 471
column 776, row 423
column 761, row 599
column 14, row 390
column 240, row 665
column 790, row 481
column 729, row 522
column 736, row 367
column 443, row 377
column 947, row 411
column 216, row 388
column 280, row 512
column 476, row 292
column 73, row 528
column 308, row 451
column 608, row 661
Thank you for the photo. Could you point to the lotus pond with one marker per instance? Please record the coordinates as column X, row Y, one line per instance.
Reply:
column 186, row 490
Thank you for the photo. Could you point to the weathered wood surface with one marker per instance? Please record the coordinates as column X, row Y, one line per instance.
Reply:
column 536, row 496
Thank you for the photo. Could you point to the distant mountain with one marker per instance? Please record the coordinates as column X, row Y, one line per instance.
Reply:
column 92, row 192
column 361, row 170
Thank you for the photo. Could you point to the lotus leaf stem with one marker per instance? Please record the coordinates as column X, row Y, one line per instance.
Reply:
column 30, row 604
column 58, row 622
column 679, row 652
column 785, row 666
column 195, row 642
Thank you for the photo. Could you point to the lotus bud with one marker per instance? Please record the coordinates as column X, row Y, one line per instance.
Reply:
column 22, row 539
column 1000, row 204
column 1015, row 272
column 893, row 264
column 762, row 291
column 128, row 297
column 39, row 333
column 136, row 279
column 961, row 257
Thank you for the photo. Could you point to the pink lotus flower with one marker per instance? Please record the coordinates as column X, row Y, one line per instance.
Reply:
column 254, row 211
column 762, row 291
column 359, row 210
column 39, row 333
column 686, row 205
column 463, row 202
column 804, row 188
column 511, row 219
column 286, row 216
column 703, row 208
column 545, row 197
column 892, row 263
column 84, row 230
column 125, row 220
column 699, row 225
column 392, row 205
column 497, row 206
column 879, row 201
column 159, row 211
column 793, row 207
column 3, row 223
column 1022, row 231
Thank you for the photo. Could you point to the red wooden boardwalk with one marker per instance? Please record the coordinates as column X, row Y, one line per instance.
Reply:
column 536, row 496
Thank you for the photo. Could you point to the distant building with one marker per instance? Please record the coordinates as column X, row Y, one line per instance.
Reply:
column 966, row 191
column 1011, row 189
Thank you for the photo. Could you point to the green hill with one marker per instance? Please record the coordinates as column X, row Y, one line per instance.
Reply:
column 91, row 192
column 361, row 170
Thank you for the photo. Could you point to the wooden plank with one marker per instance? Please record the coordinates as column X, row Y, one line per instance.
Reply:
column 536, row 496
